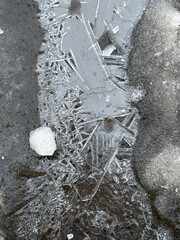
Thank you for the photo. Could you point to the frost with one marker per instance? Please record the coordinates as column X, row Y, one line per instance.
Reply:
column 84, row 95
column 42, row 140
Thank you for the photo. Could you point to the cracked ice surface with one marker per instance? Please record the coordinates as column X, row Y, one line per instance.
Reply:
column 89, row 190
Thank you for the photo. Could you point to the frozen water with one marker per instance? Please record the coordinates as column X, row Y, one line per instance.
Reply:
column 156, row 69
column 89, row 190
column 42, row 140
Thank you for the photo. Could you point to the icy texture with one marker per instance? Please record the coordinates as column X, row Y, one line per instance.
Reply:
column 42, row 140
column 89, row 190
column 158, row 171
column 156, row 68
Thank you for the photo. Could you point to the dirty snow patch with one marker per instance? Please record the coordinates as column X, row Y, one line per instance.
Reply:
column 42, row 140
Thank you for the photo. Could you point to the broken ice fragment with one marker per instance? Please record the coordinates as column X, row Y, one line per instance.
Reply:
column 1, row 31
column 42, row 140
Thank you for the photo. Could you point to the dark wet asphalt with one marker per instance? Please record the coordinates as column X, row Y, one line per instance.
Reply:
column 19, row 47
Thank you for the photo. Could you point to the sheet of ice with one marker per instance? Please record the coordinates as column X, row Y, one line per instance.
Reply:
column 84, row 96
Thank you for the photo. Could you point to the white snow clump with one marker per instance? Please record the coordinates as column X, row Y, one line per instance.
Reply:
column 42, row 140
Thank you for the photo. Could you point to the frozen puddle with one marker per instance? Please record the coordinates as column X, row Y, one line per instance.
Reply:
column 89, row 191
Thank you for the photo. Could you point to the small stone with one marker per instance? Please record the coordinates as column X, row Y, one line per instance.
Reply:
column 42, row 140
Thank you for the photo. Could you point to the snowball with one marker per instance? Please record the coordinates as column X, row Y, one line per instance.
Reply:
column 42, row 140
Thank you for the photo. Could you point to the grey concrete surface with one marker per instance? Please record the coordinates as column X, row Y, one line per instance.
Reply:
column 19, row 48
